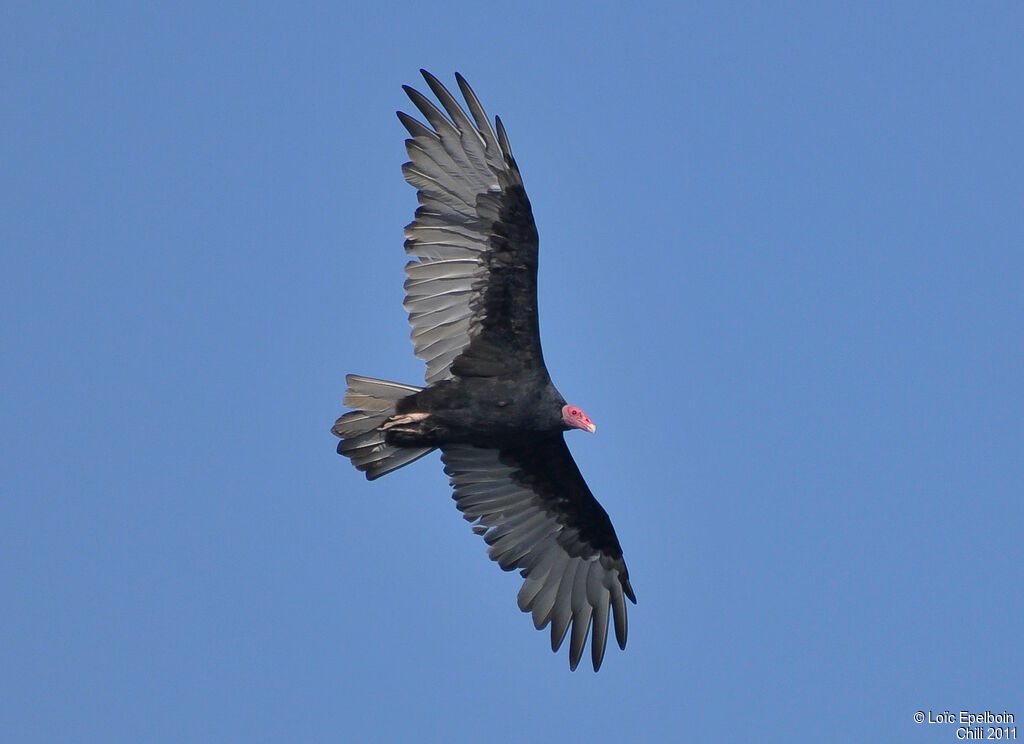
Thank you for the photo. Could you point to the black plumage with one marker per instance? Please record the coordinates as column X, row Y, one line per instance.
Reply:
column 489, row 404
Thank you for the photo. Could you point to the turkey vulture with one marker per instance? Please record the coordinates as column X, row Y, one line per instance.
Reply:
column 489, row 404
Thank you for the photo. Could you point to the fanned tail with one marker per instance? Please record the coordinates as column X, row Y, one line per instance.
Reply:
column 362, row 440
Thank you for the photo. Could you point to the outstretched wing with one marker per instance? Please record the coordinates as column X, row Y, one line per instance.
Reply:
column 536, row 512
column 472, row 293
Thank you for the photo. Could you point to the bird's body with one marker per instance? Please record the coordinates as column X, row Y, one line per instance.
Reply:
column 479, row 410
column 489, row 403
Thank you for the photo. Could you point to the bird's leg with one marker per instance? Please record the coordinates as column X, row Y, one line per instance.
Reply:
column 408, row 429
column 403, row 419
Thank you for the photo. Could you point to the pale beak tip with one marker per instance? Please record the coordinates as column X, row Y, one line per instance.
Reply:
column 592, row 427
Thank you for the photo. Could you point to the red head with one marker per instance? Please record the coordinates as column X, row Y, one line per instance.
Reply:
column 574, row 418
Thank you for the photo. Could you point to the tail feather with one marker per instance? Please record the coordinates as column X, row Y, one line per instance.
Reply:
column 362, row 440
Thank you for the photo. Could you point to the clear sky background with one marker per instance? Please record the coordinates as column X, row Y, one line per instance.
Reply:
column 782, row 267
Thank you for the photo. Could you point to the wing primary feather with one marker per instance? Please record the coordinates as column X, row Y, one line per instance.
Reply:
column 627, row 588
column 433, row 114
column 535, row 584
column 416, row 128
column 483, row 124
column 536, row 578
column 561, row 611
column 619, row 613
column 506, row 148
column 581, row 613
column 599, row 598
column 544, row 603
column 458, row 116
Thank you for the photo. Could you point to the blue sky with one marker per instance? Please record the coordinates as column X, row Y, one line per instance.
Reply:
column 782, row 267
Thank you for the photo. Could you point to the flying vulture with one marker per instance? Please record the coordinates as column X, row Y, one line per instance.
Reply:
column 489, row 404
